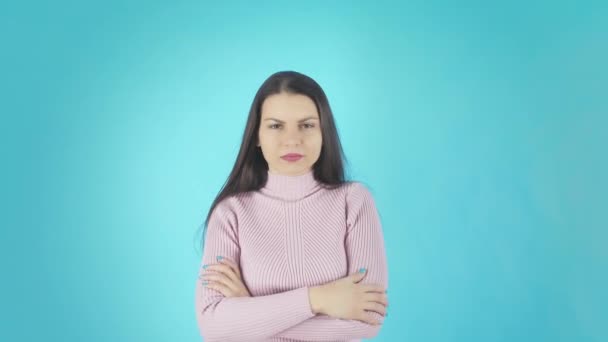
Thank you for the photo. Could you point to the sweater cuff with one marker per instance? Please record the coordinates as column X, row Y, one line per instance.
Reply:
column 303, row 299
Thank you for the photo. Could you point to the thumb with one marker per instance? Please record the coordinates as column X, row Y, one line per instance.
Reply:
column 357, row 276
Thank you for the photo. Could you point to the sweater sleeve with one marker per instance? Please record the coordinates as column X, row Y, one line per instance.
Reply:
column 364, row 243
column 241, row 318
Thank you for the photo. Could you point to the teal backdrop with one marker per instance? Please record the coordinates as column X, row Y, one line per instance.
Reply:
column 480, row 128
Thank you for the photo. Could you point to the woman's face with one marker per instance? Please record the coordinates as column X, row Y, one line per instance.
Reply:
column 289, row 124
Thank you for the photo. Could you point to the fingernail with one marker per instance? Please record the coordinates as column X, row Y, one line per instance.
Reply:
column 219, row 258
column 205, row 266
column 205, row 282
column 362, row 270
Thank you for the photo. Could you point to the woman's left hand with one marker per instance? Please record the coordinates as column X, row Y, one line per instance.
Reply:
column 225, row 277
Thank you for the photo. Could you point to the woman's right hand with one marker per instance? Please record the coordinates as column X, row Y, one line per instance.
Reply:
column 346, row 299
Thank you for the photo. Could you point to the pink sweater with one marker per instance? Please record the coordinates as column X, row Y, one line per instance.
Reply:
column 288, row 236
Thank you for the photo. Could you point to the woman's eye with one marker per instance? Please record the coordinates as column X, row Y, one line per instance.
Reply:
column 273, row 126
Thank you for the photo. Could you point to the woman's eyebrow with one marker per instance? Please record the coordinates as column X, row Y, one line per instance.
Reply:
column 308, row 118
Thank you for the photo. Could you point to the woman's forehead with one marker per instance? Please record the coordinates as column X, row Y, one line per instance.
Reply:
column 289, row 107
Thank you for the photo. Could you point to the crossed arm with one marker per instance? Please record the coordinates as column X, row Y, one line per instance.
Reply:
column 288, row 314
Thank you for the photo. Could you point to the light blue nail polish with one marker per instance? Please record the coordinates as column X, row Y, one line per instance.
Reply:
column 205, row 267
column 362, row 270
column 219, row 258
column 205, row 282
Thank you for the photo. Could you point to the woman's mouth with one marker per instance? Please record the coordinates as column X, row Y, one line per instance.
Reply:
column 292, row 157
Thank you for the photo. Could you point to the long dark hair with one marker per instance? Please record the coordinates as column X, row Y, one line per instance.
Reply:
column 250, row 169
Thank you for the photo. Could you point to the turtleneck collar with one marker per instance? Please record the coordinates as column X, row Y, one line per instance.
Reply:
column 290, row 188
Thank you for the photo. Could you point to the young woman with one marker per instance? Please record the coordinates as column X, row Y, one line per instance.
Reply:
column 292, row 250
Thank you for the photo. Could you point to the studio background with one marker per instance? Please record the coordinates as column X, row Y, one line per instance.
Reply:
column 479, row 127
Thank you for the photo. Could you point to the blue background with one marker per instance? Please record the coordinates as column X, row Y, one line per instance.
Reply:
column 480, row 128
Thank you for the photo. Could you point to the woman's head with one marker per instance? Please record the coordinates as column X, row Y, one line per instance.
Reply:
column 289, row 124
column 290, row 113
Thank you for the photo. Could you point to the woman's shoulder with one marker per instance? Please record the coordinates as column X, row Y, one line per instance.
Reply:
column 234, row 202
column 228, row 210
column 355, row 188
column 352, row 191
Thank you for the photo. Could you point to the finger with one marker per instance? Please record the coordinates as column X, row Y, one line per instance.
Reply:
column 231, row 280
column 373, row 288
column 366, row 317
column 224, row 269
column 227, row 270
column 222, row 279
column 218, row 287
column 358, row 276
column 235, row 268
column 375, row 307
column 376, row 298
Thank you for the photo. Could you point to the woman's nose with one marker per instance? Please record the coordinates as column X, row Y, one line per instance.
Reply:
column 292, row 136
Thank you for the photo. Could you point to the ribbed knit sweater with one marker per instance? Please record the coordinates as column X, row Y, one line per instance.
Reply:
column 290, row 235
